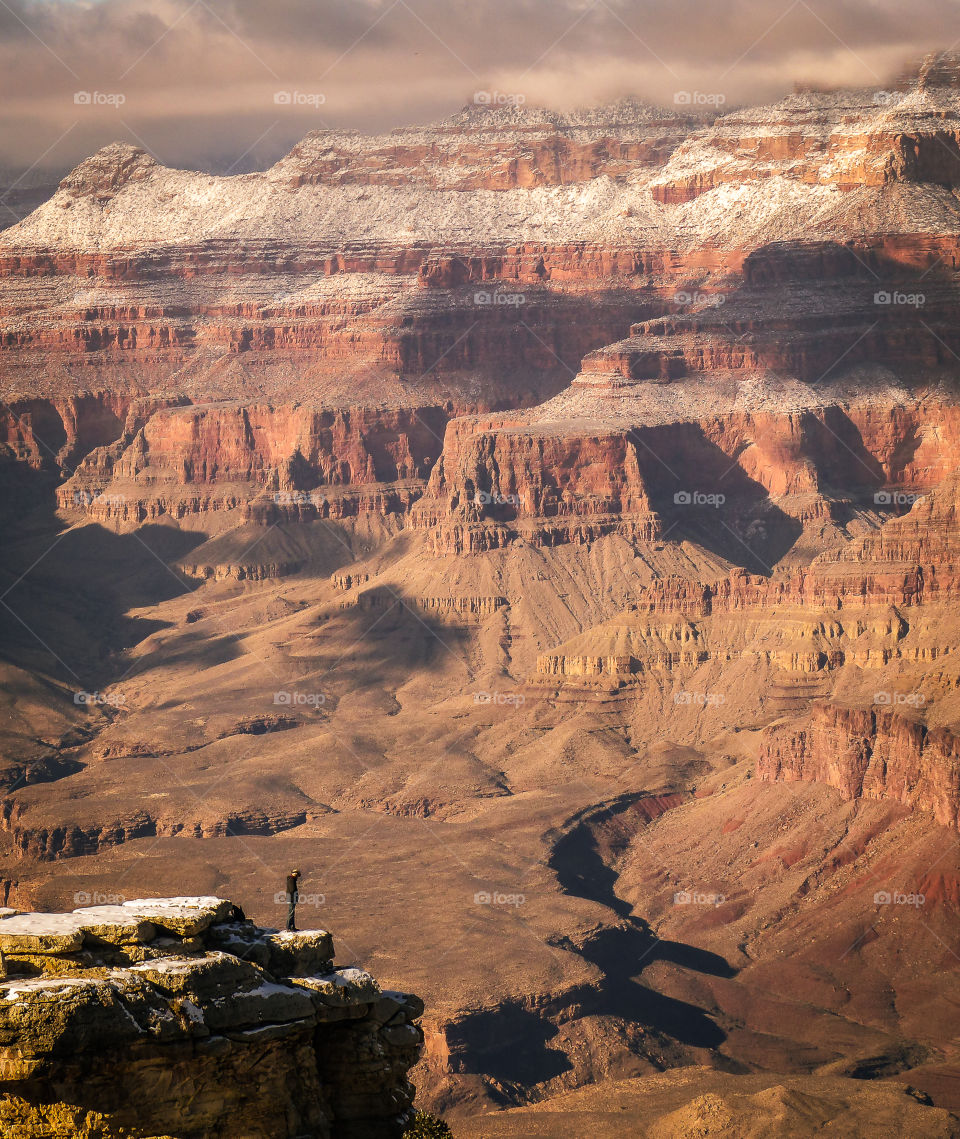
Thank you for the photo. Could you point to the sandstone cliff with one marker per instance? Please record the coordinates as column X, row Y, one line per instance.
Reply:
column 177, row 1017
column 869, row 753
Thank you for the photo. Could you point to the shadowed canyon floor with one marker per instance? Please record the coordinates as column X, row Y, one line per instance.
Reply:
column 564, row 578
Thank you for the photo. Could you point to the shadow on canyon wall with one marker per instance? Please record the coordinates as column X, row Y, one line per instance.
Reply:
column 65, row 592
column 706, row 498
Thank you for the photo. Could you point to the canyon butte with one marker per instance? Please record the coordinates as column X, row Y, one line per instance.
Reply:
column 543, row 530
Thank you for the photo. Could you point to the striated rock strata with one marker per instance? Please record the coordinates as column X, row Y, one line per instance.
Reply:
column 869, row 753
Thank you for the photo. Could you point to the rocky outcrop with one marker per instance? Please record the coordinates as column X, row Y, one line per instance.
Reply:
column 795, row 640
column 278, row 462
column 46, row 843
column 496, row 481
column 490, row 146
column 467, row 610
column 870, row 753
column 109, row 170
column 847, row 138
column 177, row 1017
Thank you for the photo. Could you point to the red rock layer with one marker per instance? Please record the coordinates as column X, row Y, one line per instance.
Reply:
column 494, row 476
column 43, row 432
column 553, row 161
column 869, row 753
column 531, row 261
column 191, row 459
column 874, row 159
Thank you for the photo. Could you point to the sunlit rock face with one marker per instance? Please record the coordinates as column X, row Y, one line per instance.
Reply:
column 545, row 507
column 179, row 1016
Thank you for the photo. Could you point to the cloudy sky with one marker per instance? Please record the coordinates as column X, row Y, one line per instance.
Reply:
column 234, row 83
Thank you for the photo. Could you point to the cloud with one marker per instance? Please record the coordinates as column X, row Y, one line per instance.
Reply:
column 197, row 80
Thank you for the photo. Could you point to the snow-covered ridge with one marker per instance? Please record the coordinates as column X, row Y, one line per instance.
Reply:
column 627, row 173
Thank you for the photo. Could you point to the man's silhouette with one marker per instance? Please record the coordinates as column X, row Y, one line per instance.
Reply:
column 293, row 896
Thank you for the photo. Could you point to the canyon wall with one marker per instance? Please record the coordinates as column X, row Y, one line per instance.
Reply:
column 496, row 452
column 869, row 753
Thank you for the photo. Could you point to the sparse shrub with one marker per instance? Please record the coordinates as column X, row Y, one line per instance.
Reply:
column 426, row 1126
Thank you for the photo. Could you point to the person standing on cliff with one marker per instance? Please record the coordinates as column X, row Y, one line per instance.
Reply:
column 293, row 896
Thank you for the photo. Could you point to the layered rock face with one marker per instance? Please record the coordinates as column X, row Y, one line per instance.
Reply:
column 476, row 481
column 495, row 147
column 872, row 619
column 178, row 1017
column 871, row 754
column 277, row 463
column 472, row 265
column 408, row 306
column 799, row 641
column 786, row 403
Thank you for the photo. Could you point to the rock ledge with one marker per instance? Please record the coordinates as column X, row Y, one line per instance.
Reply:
column 177, row 1018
